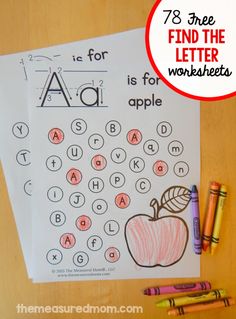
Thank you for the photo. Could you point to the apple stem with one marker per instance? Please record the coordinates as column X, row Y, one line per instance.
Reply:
column 155, row 205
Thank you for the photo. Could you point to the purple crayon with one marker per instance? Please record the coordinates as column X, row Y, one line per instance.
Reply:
column 197, row 244
column 193, row 286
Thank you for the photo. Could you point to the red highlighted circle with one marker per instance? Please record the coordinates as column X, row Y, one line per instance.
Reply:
column 160, row 168
column 83, row 222
column 74, row 176
column 122, row 200
column 56, row 136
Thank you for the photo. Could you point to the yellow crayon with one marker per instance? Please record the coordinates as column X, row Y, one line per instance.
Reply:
column 192, row 298
column 182, row 310
column 218, row 218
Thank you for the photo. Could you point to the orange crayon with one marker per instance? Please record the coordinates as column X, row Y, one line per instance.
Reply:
column 210, row 215
column 182, row 310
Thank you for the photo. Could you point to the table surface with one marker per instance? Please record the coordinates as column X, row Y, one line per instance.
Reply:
column 29, row 24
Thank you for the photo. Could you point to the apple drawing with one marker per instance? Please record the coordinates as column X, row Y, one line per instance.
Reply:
column 159, row 241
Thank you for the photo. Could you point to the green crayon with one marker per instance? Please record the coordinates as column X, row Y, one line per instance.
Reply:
column 192, row 298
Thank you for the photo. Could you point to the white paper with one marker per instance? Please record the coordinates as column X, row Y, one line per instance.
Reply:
column 124, row 139
column 15, row 134
column 14, row 144
column 14, row 138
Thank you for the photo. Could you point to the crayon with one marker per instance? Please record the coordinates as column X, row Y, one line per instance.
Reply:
column 186, row 287
column 202, row 306
column 193, row 298
column 197, row 243
column 210, row 214
column 218, row 218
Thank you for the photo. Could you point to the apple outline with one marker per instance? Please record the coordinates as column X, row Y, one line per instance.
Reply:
column 156, row 208
column 152, row 220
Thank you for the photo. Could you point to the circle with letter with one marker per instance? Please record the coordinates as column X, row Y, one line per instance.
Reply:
column 57, row 218
column 28, row 187
column 78, row 126
column 113, row 128
column 20, row 130
column 98, row 162
column 56, row 136
column 80, row 259
column 94, row 243
column 160, row 168
column 99, row 206
column 67, row 240
column 112, row 254
column 77, row 199
column 143, row 185
column 111, row 227
column 83, row 222
column 122, row 200
column 74, row 176
column 134, row 137
column 192, row 46
column 23, row 157
column 55, row 194
column 54, row 256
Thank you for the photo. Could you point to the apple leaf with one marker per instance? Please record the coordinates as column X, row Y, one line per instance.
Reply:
column 175, row 199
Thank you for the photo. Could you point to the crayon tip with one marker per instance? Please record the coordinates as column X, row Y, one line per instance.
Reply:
column 146, row 292
column 213, row 248
column 162, row 303
column 194, row 189
column 223, row 188
column 208, row 285
column 205, row 246
column 171, row 312
column 231, row 301
column 215, row 185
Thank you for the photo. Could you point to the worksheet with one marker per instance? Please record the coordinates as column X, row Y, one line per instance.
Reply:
column 114, row 153
column 14, row 145
column 15, row 134
column 14, row 138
